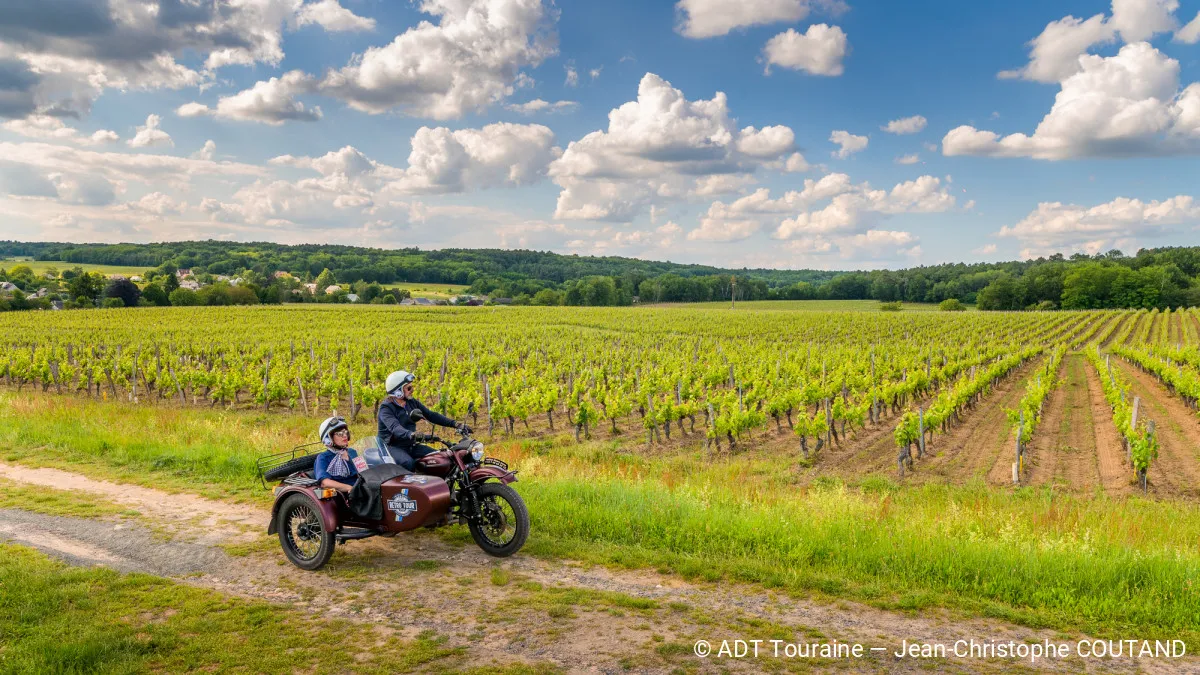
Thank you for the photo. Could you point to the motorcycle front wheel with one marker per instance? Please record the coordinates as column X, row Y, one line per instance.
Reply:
column 503, row 523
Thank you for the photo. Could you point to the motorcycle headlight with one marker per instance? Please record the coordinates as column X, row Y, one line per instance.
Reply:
column 477, row 451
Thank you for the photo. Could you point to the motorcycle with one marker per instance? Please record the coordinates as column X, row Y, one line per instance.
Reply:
column 457, row 484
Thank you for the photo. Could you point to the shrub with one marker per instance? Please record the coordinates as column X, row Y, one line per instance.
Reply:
column 951, row 305
column 889, row 306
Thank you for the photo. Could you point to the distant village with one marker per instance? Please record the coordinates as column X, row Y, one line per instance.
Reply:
column 74, row 288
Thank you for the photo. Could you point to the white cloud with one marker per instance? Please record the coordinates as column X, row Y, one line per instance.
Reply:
column 572, row 77
column 1138, row 20
column 987, row 249
column 852, row 208
column 149, row 134
column 870, row 247
column 496, row 155
column 63, row 55
column 269, row 102
column 469, row 60
column 818, row 51
column 711, row 18
column 1054, row 54
column 537, row 105
column 595, row 72
column 911, row 158
column 332, row 17
column 849, row 143
column 905, row 125
column 1057, row 227
column 1125, row 105
column 207, row 152
column 1189, row 34
column 45, row 126
column 658, row 148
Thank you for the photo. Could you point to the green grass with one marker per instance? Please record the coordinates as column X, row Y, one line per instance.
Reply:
column 810, row 305
column 40, row 266
column 58, row 619
column 52, row 502
column 1091, row 564
column 431, row 291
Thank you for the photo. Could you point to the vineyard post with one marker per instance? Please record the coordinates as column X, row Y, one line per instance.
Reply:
column 711, row 422
column 1133, row 427
column 1017, row 463
column 651, row 430
column 487, row 398
column 266, row 383
column 1142, row 472
column 303, row 398
column 920, row 432
column 133, row 382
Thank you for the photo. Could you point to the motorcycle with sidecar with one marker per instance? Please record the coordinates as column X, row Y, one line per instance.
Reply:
column 455, row 485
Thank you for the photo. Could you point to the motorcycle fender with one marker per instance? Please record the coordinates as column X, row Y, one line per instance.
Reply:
column 329, row 517
column 485, row 473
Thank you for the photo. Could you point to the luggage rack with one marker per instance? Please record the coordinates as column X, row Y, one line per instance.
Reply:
column 268, row 462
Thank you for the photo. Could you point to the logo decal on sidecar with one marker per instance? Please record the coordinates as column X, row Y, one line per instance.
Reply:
column 413, row 478
column 401, row 505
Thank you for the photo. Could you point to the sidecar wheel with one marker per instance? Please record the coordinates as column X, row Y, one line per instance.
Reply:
column 503, row 525
column 301, row 534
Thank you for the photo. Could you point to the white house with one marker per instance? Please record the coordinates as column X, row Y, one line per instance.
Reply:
column 190, row 284
column 312, row 288
column 136, row 279
column 332, row 288
column 8, row 286
column 352, row 297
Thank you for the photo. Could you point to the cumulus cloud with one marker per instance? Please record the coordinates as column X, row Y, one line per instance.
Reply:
column 470, row 59
column 149, row 134
column 1054, row 54
column 207, row 152
column 269, row 102
column 45, row 126
column 662, row 146
column 1054, row 226
column 711, row 18
column 849, row 209
column 1125, row 105
column 849, row 143
column 537, row 105
column 331, row 16
column 58, row 57
column 572, row 77
column 818, row 51
column 1189, row 34
column 905, row 125
column 911, row 158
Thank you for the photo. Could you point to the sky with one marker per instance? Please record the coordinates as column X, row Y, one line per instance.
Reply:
column 822, row 134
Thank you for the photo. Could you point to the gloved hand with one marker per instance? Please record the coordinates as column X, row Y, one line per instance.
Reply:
column 422, row 436
column 462, row 428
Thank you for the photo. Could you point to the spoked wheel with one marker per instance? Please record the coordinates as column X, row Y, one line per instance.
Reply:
column 503, row 524
column 305, row 541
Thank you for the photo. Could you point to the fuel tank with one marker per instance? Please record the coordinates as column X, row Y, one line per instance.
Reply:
column 413, row 500
column 436, row 464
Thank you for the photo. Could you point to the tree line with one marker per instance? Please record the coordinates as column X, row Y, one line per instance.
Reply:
column 1162, row 277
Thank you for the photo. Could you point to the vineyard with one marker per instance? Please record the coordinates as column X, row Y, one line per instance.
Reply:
column 930, row 395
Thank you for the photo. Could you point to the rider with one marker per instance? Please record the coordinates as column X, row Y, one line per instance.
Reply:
column 397, row 431
column 334, row 468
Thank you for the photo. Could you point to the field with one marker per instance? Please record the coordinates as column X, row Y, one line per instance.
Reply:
column 809, row 305
column 40, row 266
column 691, row 472
column 431, row 291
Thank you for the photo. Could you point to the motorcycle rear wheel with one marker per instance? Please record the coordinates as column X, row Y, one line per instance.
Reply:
column 301, row 534
column 503, row 523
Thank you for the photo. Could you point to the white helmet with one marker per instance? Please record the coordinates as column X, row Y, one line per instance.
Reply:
column 396, row 380
column 329, row 426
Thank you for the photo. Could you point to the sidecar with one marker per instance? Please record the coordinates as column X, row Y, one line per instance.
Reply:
column 311, row 520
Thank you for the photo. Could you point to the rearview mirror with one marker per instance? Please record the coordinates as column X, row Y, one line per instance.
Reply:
column 416, row 416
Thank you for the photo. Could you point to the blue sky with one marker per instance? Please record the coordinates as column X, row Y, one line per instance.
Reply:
column 695, row 131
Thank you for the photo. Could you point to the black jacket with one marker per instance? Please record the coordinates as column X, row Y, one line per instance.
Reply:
column 396, row 427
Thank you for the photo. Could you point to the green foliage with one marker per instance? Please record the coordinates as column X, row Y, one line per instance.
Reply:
column 951, row 305
column 889, row 306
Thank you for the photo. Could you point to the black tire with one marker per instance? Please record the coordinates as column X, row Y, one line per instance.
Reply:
column 489, row 534
column 290, row 467
column 301, row 534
